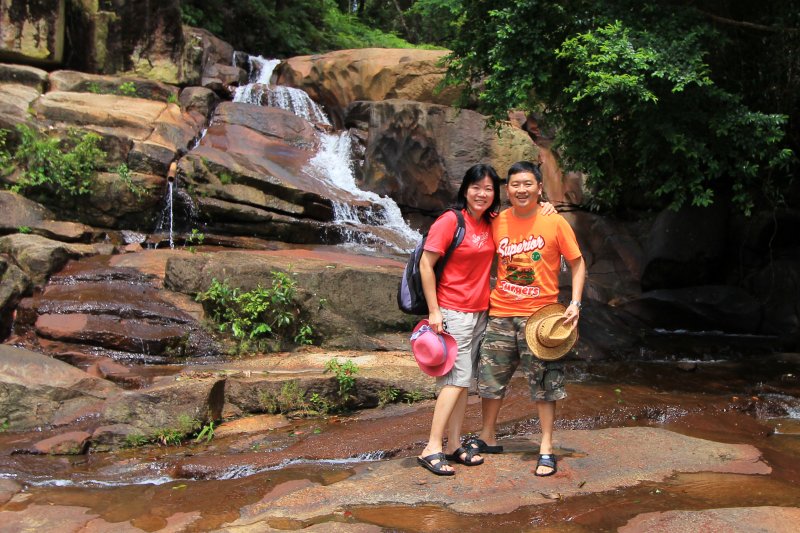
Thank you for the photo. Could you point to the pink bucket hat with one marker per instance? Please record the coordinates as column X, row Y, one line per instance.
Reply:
column 435, row 354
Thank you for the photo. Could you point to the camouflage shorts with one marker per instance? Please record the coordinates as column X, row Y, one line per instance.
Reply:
column 504, row 348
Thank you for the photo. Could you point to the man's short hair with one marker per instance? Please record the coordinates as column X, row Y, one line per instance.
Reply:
column 525, row 166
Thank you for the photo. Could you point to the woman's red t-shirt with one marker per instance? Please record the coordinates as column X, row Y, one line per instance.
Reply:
column 464, row 285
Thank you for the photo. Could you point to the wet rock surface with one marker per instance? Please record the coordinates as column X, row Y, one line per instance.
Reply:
column 737, row 520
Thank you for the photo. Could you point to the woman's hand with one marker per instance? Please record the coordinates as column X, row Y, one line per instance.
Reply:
column 546, row 208
column 435, row 321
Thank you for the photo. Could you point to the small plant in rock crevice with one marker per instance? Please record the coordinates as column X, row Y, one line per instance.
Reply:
column 387, row 395
column 262, row 313
column 345, row 374
column 195, row 238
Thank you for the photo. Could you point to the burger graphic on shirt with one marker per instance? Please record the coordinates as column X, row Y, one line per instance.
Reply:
column 520, row 275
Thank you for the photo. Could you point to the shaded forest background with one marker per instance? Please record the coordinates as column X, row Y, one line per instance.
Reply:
column 665, row 103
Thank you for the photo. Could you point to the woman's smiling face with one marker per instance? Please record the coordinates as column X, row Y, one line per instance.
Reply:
column 480, row 196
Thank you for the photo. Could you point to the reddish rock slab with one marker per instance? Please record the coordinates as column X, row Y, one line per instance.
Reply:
column 60, row 518
column 135, row 336
column 251, row 424
column 8, row 488
column 589, row 463
column 732, row 520
column 70, row 443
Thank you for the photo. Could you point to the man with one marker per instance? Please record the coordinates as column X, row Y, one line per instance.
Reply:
column 529, row 248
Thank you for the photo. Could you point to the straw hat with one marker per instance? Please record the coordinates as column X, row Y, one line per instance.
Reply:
column 435, row 353
column 547, row 335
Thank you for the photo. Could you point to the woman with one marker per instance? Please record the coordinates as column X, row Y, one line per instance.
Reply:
column 459, row 304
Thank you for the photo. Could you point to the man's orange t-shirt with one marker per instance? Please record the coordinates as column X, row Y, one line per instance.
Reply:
column 529, row 254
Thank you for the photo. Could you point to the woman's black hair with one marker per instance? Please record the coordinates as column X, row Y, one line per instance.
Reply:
column 474, row 174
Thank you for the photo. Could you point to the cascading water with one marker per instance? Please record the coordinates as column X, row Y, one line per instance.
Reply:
column 184, row 208
column 332, row 163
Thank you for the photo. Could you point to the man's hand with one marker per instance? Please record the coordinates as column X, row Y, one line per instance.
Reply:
column 571, row 315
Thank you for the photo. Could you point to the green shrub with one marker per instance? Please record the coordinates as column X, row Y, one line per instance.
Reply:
column 124, row 174
column 62, row 168
column 261, row 313
column 24, row 229
column 194, row 238
column 345, row 374
column 387, row 395
column 127, row 88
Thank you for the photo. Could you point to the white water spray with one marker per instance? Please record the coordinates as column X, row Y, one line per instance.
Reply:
column 332, row 163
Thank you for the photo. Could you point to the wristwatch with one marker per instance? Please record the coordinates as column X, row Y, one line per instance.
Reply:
column 576, row 303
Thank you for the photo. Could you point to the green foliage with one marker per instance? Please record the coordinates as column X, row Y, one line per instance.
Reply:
column 658, row 102
column 195, row 238
column 387, row 395
column 124, row 174
column 413, row 396
column 320, row 404
column 127, row 88
column 290, row 28
column 62, row 168
column 24, row 229
column 258, row 313
column 292, row 400
column 345, row 374
column 172, row 98
column 94, row 87
column 207, row 432
column 4, row 425
column 135, row 440
column 168, row 437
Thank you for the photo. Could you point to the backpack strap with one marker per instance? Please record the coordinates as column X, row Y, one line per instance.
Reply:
column 458, row 237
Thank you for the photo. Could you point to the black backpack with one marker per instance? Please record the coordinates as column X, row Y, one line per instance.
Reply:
column 410, row 297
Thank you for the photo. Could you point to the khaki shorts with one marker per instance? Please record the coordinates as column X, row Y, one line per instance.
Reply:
column 467, row 329
column 504, row 348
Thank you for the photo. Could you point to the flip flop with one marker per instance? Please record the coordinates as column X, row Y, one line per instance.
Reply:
column 469, row 453
column 547, row 460
column 477, row 444
column 427, row 463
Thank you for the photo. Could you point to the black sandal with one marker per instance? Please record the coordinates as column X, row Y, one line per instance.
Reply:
column 481, row 446
column 436, row 468
column 547, row 460
column 468, row 453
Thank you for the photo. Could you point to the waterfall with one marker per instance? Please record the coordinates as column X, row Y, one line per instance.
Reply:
column 172, row 218
column 332, row 163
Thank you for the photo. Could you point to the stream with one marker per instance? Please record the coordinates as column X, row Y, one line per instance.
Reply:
column 744, row 400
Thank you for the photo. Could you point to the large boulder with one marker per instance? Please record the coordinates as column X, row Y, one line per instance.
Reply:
column 14, row 284
column 22, row 214
column 172, row 406
column 39, row 257
column 347, row 299
column 338, row 78
column 142, row 38
column 686, row 248
column 203, row 54
column 23, row 75
column 36, row 389
column 32, row 32
column 417, row 153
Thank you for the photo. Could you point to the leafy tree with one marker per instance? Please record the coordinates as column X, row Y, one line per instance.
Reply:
column 670, row 101
column 279, row 28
